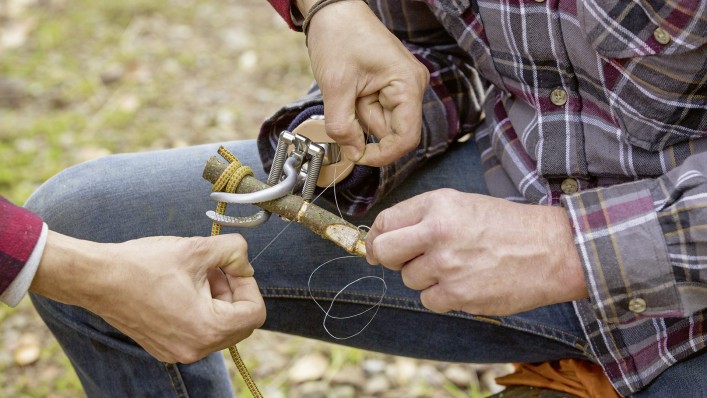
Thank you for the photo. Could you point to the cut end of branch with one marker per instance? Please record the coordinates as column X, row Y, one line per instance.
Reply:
column 348, row 237
column 213, row 169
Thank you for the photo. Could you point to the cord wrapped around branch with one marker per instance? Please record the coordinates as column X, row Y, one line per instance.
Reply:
column 294, row 208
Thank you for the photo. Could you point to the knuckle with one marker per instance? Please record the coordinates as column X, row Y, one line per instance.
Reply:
column 420, row 68
column 430, row 302
column 241, row 245
column 407, row 145
column 423, row 73
column 197, row 246
column 246, row 334
column 188, row 356
column 258, row 317
column 408, row 279
column 445, row 194
column 457, row 295
column 437, row 229
column 439, row 260
column 383, row 219
column 331, row 79
column 163, row 358
column 336, row 129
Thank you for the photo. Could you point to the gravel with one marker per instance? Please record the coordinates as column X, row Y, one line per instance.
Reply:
column 192, row 72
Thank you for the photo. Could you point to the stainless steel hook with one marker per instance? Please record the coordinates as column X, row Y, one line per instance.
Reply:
column 306, row 156
column 279, row 190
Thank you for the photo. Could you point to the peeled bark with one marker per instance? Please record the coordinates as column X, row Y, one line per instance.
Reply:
column 294, row 208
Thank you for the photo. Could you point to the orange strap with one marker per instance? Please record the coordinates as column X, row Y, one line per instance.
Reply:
column 581, row 378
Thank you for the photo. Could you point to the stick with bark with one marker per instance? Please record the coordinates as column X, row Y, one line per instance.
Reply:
column 292, row 207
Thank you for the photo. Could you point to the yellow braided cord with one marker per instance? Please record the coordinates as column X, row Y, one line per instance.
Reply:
column 244, row 372
column 226, row 154
column 228, row 182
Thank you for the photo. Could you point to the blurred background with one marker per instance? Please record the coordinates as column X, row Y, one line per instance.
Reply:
column 80, row 79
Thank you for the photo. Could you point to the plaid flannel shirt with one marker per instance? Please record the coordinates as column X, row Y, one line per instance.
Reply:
column 20, row 232
column 596, row 105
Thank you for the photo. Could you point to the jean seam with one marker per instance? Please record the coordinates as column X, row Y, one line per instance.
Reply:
column 521, row 325
column 175, row 378
column 84, row 330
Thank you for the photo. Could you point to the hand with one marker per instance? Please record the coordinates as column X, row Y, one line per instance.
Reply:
column 478, row 254
column 370, row 83
column 166, row 293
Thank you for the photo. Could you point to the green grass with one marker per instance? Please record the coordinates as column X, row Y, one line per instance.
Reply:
column 60, row 66
column 177, row 69
column 174, row 75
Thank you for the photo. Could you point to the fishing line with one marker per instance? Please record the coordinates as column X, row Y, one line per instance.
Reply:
column 313, row 200
column 331, row 184
column 327, row 312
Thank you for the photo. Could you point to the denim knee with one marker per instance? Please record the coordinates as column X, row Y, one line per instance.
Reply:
column 68, row 200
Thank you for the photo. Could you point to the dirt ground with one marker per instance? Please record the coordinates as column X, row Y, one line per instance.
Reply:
column 81, row 79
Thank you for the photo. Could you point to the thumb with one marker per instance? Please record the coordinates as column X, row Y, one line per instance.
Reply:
column 230, row 253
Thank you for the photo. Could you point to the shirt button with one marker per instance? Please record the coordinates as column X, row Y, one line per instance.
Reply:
column 569, row 186
column 661, row 36
column 558, row 96
column 637, row 305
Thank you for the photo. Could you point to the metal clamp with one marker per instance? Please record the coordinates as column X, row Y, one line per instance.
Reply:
column 303, row 164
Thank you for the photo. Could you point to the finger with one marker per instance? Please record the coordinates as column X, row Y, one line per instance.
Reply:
column 403, row 137
column 245, row 314
column 417, row 275
column 374, row 120
column 406, row 213
column 247, row 299
column 340, row 120
column 220, row 288
column 435, row 299
column 395, row 248
column 231, row 255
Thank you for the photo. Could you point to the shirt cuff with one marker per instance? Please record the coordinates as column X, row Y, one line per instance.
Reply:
column 623, row 251
column 14, row 293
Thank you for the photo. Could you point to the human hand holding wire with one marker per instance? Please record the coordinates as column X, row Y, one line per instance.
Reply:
column 478, row 254
column 369, row 80
column 179, row 298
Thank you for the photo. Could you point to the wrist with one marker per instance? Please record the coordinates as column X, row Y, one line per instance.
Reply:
column 338, row 11
column 570, row 271
column 70, row 270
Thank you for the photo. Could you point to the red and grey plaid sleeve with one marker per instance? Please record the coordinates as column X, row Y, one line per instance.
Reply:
column 19, row 233
column 644, row 244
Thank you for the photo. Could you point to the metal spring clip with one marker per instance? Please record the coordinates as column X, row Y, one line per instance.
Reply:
column 301, row 166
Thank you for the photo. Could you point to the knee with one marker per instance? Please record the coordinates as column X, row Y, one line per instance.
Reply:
column 68, row 197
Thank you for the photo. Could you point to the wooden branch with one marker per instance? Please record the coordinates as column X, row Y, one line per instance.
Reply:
column 293, row 207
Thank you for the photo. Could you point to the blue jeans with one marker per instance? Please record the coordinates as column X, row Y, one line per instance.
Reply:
column 129, row 196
